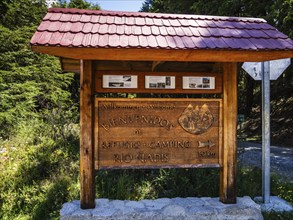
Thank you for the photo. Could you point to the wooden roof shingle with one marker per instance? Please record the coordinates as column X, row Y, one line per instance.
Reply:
column 75, row 28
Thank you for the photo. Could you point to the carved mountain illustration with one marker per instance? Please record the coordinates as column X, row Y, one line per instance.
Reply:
column 196, row 120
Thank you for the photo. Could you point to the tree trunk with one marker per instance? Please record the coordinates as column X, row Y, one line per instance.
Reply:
column 249, row 94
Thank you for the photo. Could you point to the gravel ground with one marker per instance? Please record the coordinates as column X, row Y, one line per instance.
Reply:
column 249, row 154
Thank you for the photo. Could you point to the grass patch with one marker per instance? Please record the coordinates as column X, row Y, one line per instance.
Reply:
column 39, row 172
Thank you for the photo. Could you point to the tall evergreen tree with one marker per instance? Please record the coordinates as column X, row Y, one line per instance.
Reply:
column 146, row 6
column 20, row 13
column 29, row 82
column 80, row 4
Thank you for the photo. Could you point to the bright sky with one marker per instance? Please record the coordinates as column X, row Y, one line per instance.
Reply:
column 119, row 5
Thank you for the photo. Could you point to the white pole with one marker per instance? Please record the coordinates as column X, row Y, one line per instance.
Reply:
column 265, row 70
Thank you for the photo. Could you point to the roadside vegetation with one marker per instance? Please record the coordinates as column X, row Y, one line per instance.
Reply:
column 39, row 172
column 39, row 123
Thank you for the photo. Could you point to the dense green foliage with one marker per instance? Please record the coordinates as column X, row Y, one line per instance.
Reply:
column 38, row 120
column 30, row 83
column 18, row 13
column 39, row 130
column 80, row 4
column 39, row 168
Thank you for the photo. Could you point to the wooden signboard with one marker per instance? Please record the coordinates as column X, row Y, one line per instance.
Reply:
column 157, row 133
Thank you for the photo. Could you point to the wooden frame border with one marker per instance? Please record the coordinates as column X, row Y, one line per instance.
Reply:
column 87, row 103
column 228, row 170
column 87, row 139
column 151, row 54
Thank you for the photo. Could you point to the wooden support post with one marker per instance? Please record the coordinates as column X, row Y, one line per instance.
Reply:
column 228, row 169
column 87, row 176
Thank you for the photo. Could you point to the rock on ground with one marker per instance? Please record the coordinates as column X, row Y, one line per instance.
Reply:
column 165, row 209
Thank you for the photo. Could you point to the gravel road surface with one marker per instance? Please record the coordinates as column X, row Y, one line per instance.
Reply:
column 249, row 154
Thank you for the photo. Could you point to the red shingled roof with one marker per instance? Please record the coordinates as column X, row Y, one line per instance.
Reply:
column 108, row 29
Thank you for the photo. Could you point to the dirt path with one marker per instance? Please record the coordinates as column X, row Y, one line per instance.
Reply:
column 281, row 158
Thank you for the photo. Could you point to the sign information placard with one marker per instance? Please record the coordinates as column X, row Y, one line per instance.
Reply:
column 119, row 81
column 191, row 82
column 160, row 82
column 157, row 133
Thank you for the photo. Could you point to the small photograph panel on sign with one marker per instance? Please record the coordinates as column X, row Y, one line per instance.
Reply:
column 120, row 81
column 160, row 82
column 191, row 82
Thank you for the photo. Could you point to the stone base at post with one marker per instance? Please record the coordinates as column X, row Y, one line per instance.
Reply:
column 164, row 208
column 276, row 204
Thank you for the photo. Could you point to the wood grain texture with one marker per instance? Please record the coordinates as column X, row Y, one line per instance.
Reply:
column 141, row 82
column 228, row 169
column 147, row 66
column 87, row 184
column 70, row 65
column 157, row 133
column 164, row 54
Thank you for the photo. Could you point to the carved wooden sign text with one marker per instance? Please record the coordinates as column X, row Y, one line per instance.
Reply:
column 157, row 133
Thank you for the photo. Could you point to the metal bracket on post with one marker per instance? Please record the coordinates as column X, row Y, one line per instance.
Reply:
column 265, row 76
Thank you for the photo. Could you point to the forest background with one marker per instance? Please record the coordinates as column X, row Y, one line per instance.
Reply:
column 39, row 116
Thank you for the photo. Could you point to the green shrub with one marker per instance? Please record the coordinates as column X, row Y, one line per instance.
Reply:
column 39, row 178
column 278, row 215
column 39, row 170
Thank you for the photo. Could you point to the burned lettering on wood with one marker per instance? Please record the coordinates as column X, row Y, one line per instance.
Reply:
column 151, row 133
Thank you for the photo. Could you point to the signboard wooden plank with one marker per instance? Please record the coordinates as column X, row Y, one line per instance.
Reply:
column 87, row 175
column 157, row 133
column 214, row 87
column 228, row 158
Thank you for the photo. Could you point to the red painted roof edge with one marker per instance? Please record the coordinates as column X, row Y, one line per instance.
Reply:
column 153, row 15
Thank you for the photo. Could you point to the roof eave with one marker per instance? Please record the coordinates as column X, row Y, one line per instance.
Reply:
column 150, row 54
